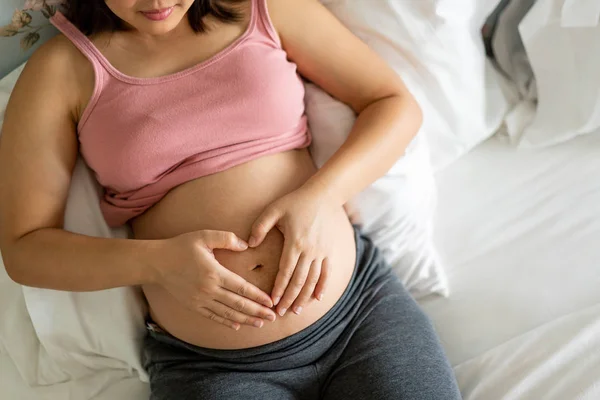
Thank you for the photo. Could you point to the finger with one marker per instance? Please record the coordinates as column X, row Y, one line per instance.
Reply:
column 218, row 319
column 244, row 306
column 296, row 284
column 309, row 287
column 236, row 284
column 263, row 225
column 322, row 285
column 289, row 259
column 230, row 314
column 223, row 240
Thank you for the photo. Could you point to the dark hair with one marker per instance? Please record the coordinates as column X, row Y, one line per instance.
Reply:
column 94, row 16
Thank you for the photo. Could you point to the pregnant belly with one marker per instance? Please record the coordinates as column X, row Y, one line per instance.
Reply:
column 231, row 201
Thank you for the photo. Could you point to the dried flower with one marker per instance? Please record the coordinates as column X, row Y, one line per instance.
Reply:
column 20, row 19
column 29, row 40
column 8, row 31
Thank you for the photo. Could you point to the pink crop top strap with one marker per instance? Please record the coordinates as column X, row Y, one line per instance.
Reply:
column 87, row 48
column 144, row 136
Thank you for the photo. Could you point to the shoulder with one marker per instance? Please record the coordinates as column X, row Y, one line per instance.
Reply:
column 57, row 69
column 289, row 8
column 58, row 57
column 282, row 5
column 293, row 15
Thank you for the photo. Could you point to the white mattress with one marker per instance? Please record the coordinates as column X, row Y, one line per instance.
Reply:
column 520, row 231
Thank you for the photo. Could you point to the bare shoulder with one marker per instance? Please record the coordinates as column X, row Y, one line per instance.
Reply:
column 283, row 5
column 58, row 70
column 58, row 57
column 292, row 15
column 289, row 8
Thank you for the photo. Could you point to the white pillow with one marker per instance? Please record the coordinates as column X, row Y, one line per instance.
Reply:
column 397, row 210
column 89, row 331
column 562, row 40
column 436, row 47
column 6, row 86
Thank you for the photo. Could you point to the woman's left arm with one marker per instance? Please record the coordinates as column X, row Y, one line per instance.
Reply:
column 333, row 58
column 388, row 119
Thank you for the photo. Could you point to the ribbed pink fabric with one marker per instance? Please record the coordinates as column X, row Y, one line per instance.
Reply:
column 144, row 136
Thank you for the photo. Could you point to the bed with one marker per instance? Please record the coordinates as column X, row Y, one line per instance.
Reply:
column 517, row 230
column 520, row 230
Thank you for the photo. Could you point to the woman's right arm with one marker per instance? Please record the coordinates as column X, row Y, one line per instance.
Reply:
column 38, row 150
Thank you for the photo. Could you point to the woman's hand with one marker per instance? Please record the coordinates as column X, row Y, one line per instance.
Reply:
column 305, row 219
column 189, row 271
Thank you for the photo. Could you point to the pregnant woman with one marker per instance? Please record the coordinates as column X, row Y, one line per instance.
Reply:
column 191, row 115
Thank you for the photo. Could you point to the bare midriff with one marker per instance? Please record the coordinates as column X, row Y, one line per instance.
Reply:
column 231, row 201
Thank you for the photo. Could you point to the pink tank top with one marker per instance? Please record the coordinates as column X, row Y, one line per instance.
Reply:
column 144, row 136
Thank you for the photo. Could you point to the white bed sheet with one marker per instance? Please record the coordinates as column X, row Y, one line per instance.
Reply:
column 520, row 232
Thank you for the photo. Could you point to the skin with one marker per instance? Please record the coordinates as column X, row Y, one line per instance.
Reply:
column 38, row 151
column 129, row 12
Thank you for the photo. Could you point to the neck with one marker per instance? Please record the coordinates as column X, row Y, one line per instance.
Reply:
column 148, row 40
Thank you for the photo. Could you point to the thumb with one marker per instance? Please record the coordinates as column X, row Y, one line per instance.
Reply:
column 223, row 240
column 263, row 225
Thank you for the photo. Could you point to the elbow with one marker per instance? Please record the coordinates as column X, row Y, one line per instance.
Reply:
column 418, row 114
column 408, row 112
column 413, row 114
column 12, row 269
column 12, row 264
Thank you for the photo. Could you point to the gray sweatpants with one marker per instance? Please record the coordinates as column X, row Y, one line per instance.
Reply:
column 375, row 343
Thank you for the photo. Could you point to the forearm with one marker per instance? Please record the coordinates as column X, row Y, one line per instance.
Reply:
column 60, row 260
column 378, row 139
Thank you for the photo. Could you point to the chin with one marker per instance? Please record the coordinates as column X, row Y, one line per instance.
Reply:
column 157, row 28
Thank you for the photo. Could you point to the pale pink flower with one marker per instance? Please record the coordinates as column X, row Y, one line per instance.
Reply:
column 37, row 5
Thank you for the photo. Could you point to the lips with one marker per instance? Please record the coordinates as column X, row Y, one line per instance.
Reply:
column 158, row 15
